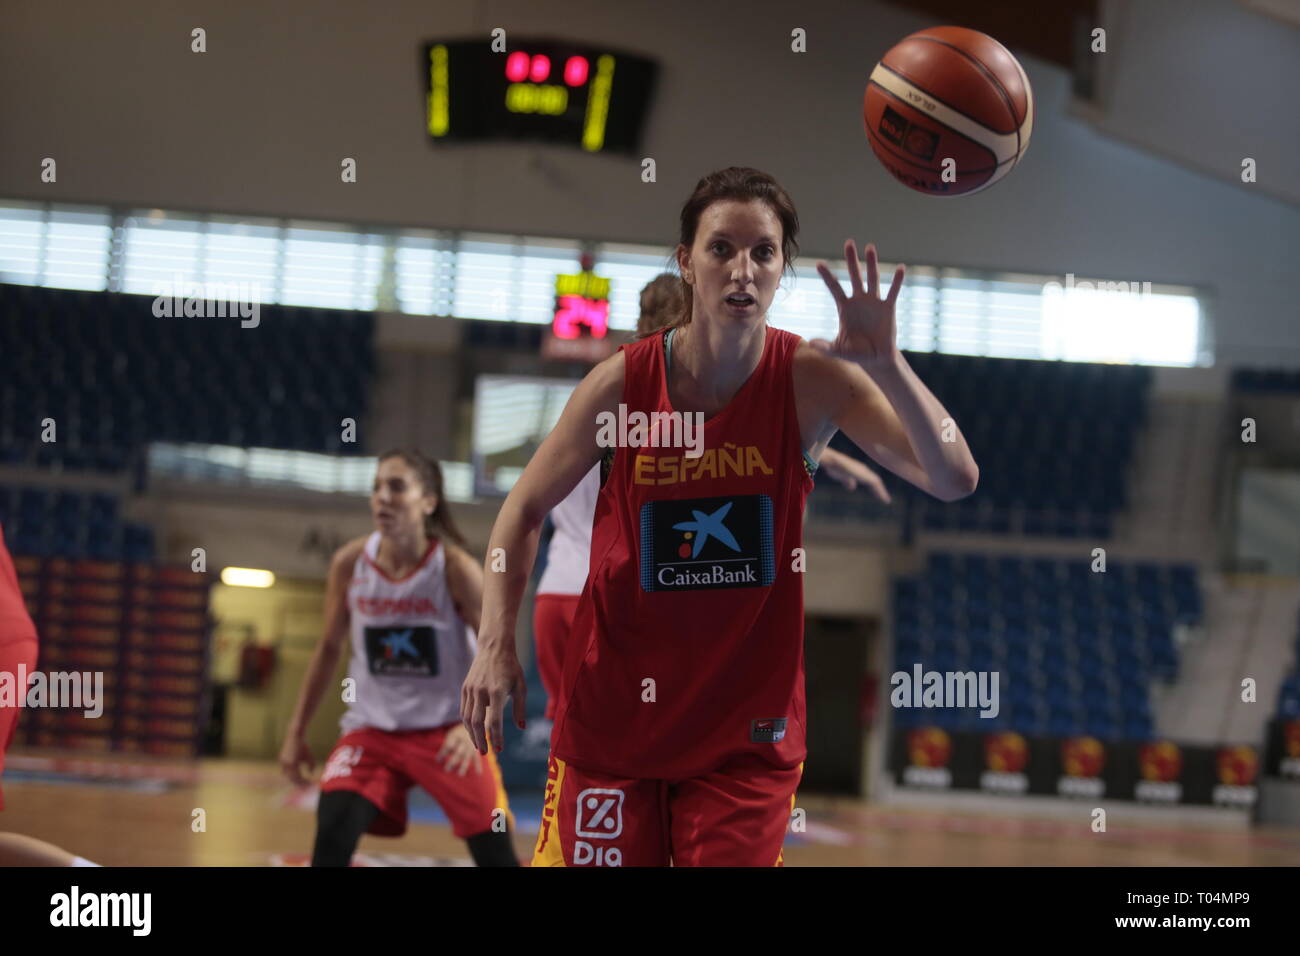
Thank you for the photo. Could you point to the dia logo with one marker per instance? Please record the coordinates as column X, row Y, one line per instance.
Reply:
column 600, row 817
column 600, row 813
column 585, row 853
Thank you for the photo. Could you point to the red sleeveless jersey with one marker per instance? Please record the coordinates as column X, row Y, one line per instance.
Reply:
column 691, row 586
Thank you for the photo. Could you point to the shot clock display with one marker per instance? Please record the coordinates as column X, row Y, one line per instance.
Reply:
column 548, row 91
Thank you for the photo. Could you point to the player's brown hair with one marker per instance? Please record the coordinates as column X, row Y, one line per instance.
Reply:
column 661, row 303
column 744, row 184
column 440, row 523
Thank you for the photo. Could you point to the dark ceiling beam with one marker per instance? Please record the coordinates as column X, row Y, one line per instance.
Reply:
column 1046, row 29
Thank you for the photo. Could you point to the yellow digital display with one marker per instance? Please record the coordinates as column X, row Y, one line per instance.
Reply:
column 541, row 90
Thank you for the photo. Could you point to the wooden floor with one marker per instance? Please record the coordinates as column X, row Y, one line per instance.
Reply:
column 138, row 812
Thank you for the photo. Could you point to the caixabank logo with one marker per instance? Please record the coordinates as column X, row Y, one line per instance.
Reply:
column 1006, row 757
column 1082, row 761
column 928, row 751
column 1236, row 768
column 693, row 544
column 1160, row 764
column 402, row 651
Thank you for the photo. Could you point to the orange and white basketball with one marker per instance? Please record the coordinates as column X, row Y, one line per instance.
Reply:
column 948, row 111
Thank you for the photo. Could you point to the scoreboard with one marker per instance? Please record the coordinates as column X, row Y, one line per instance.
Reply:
column 591, row 97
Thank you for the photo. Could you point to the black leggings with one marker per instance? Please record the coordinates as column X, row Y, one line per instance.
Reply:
column 343, row 816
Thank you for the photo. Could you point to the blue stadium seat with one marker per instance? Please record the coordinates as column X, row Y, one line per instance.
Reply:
column 1075, row 650
column 174, row 381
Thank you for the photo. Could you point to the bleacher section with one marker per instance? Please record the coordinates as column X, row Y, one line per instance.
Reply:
column 142, row 629
column 1266, row 381
column 1054, row 442
column 114, row 377
column 1075, row 650
column 43, row 523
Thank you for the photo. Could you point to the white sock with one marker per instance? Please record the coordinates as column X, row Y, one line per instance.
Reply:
column 81, row 861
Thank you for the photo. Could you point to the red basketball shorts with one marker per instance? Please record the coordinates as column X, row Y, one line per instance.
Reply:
column 552, row 624
column 383, row 765
column 11, row 656
column 735, row 816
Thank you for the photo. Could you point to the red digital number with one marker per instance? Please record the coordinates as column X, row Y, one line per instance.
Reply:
column 575, row 71
column 574, row 310
column 517, row 66
column 521, row 66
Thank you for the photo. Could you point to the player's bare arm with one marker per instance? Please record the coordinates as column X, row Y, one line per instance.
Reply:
column 294, row 753
column 465, row 582
column 564, row 457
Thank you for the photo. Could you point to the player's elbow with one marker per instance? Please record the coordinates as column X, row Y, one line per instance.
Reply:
column 332, row 641
column 963, row 485
column 522, row 513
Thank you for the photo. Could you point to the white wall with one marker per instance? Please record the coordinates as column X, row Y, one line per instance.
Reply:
column 1228, row 71
column 1268, row 524
column 413, row 397
column 260, row 123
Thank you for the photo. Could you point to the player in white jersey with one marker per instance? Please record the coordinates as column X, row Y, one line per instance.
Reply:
column 406, row 599
column 569, row 552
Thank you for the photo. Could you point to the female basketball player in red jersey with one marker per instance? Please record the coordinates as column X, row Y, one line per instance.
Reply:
column 569, row 552
column 406, row 598
column 680, row 732
column 18, row 645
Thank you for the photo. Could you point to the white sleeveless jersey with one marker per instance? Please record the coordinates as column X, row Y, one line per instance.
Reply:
column 569, row 554
column 411, row 651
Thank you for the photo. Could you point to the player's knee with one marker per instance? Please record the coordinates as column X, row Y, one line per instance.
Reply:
column 341, row 818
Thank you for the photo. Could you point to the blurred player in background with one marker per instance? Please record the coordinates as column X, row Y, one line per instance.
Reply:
column 569, row 551
column 407, row 599
column 18, row 646
column 679, row 737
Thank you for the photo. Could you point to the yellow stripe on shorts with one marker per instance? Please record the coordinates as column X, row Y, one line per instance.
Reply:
column 780, row 854
column 501, row 799
column 549, row 850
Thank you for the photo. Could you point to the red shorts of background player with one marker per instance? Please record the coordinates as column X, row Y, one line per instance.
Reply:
column 735, row 816
column 383, row 765
column 11, row 656
column 552, row 623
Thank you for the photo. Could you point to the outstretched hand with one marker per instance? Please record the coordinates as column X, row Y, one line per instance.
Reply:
column 868, row 333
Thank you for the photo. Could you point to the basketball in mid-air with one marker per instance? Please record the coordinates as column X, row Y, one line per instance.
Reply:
column 948, row 111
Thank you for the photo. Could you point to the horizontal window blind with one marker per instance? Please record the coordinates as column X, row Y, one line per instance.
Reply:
column 512, row 278
column 512, row 411
column 299, row 469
